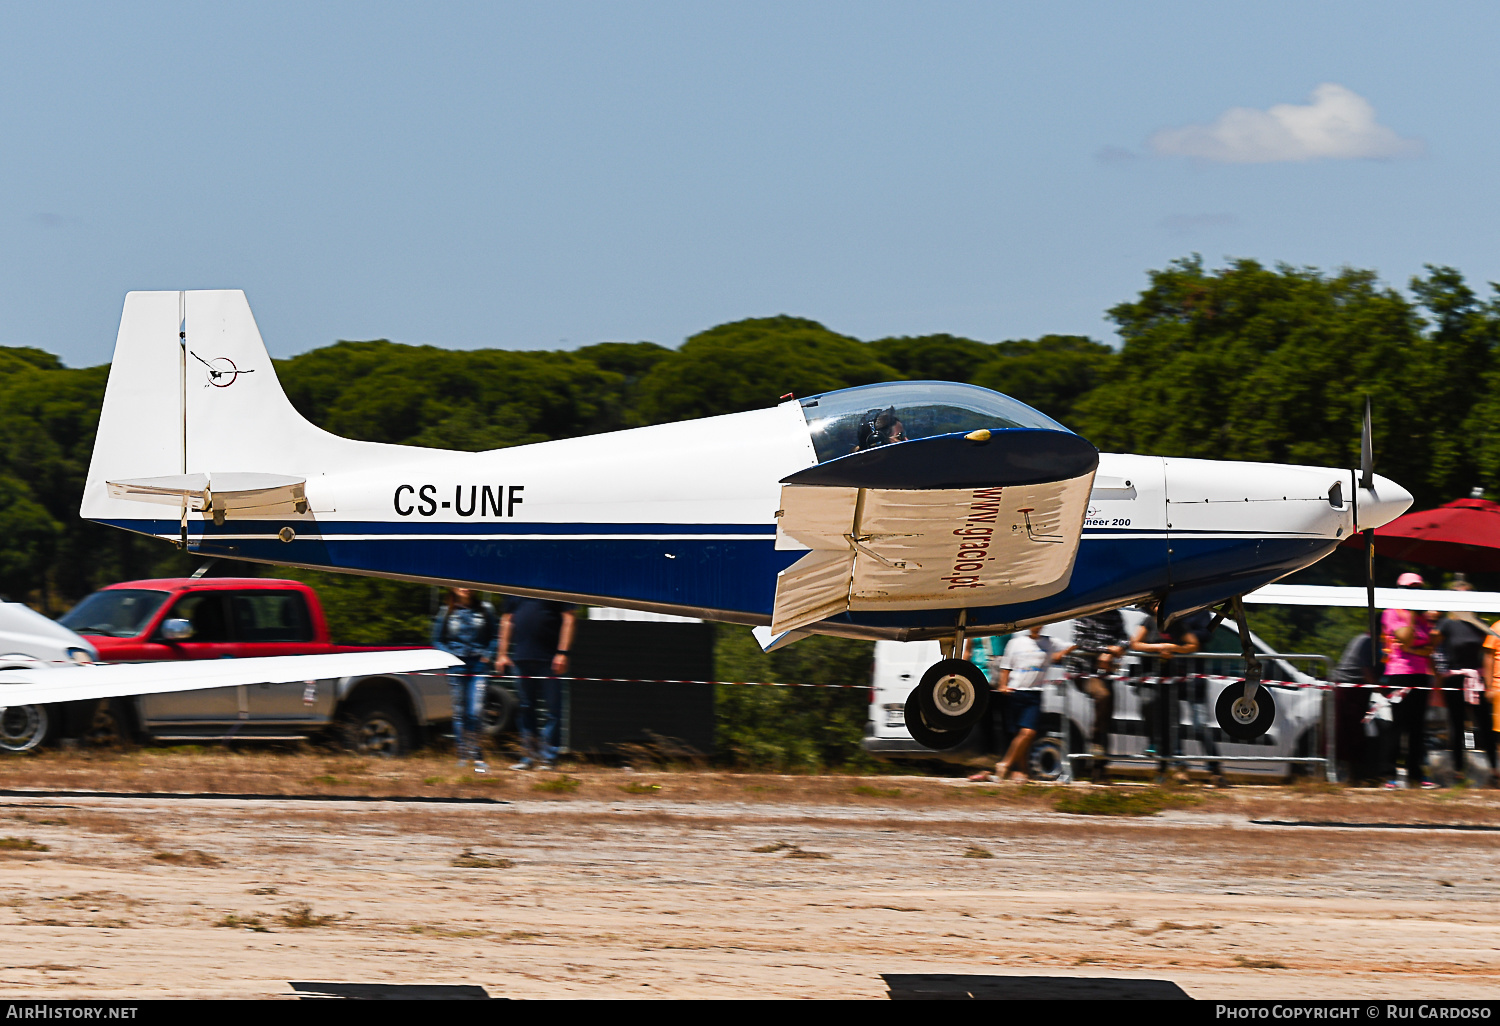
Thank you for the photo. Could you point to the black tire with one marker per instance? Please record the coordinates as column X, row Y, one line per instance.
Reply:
column 375, row 728
column 24, row 728
column 1046, row 760
column 922, row 734
column 499, row 712
column 953, row 695
column 1241, row 720
column 112, row 726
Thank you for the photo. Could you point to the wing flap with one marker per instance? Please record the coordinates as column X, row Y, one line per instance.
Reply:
column 812, row 589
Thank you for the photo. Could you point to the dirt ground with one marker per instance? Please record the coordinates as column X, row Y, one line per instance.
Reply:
column 240, row 873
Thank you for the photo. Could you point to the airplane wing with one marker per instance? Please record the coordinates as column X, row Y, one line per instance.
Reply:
column 987, row 518
column 114, row 680
column 1385, row 598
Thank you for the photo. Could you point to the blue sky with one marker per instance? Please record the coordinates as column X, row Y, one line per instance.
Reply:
column 555, row 174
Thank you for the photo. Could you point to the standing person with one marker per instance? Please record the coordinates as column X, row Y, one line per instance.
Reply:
column 465, row 628
column 1099, row 644
column 1409, row 640
column 1184, row 636
column 1023, row 673
column 1462, row 649
column 1491, row 674
column 535, row 636
column 985, row 653
column 1354, row 679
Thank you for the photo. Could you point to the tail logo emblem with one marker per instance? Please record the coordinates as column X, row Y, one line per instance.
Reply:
column 221, row 370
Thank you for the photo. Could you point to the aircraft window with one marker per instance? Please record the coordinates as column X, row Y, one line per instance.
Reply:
column 205, row 611
column 118, row 613
column 854, row 419
column 267, row 616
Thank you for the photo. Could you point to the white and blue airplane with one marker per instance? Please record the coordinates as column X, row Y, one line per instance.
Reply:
column 909, row 510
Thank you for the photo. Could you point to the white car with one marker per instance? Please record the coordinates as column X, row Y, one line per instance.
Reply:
column 28, row 640
column 1297, row 731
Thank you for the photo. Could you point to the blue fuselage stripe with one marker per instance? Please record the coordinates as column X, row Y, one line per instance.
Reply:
column 728, row 567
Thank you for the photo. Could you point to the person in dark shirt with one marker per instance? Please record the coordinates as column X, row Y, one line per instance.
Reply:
column 1363, row 742
column 1184, row 636
column 1461, row 653
column 1099, row 642
column 535, row 635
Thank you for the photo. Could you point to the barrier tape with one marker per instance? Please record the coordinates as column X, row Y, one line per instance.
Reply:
column 1320, row 685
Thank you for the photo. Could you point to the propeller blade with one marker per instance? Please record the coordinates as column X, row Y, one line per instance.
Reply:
column 1367, row 452
column 1370, row 600
column 1367, row 482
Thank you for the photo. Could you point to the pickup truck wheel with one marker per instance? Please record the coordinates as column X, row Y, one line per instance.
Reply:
column 112, row 726
column 23, row 728
column 499, row 710
column 376, row 729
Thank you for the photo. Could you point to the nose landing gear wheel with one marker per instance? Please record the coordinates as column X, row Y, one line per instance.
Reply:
column 953, row 695
column 1245, row 720
column 922, row 734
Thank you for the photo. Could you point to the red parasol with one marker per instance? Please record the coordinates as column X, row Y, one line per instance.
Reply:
column 1460, row 535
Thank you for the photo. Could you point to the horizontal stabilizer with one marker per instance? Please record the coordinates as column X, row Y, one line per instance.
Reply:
column 117, row 680
column 204, row 492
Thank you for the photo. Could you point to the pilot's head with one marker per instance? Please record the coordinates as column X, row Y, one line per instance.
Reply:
column 880, row 427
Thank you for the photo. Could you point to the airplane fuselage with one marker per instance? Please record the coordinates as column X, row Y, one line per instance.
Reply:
column 682, row 518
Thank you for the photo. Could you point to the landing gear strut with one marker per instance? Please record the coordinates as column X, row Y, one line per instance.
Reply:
column 1245, row 712
column 951, row 698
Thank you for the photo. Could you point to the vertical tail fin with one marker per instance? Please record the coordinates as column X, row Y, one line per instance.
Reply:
column 192, row 392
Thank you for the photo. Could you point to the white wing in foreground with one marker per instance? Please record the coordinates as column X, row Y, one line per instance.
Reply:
column 115, row 680
column 1385, row 598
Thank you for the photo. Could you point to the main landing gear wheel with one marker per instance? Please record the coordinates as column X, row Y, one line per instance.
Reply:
column 953, row 695
column 1242, row 719
column 922, row 734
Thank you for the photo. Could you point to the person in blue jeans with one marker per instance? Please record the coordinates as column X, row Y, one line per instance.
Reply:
column 465, row 628
column 535, row 635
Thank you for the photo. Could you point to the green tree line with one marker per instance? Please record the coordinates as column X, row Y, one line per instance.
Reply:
column 1239, row 362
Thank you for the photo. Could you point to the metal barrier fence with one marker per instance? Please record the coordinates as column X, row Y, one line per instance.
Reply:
column 1202, row 716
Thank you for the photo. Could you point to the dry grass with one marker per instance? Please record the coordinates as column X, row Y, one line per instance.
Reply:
column 290, row 770
column 468, row 860
column 636, row 787
column 301, row 917
column 234, row 921
column 188, row 858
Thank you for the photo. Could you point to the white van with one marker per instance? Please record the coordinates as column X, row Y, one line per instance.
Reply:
column 1296, row 732
column 28, row 640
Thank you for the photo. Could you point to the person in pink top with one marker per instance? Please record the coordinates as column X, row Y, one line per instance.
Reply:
column 1408, row 638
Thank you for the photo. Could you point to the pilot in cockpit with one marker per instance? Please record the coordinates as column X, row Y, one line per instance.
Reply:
column 880, row 427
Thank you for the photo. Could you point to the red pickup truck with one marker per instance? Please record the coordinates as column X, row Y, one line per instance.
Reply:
column 224, row 617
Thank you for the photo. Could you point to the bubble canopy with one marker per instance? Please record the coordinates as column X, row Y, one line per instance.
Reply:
column 856, row 419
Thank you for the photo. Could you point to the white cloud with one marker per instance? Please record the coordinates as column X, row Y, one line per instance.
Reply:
column 1338, row 124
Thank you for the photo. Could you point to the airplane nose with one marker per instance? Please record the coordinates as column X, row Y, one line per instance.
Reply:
column 1381, row 504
